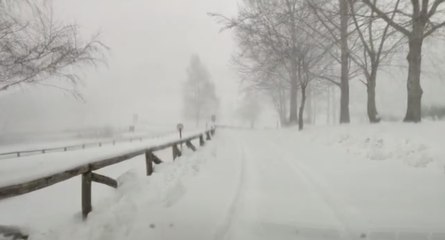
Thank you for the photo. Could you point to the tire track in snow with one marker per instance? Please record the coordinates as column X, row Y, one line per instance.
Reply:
column 280, row 154
column 225, row 227
column 323, row 196
column 299, row 174
column 333, row 204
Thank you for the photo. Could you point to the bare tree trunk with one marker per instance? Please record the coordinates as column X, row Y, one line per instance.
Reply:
column 293, row 64
column 293, row 118
column 280, row 100
column 334, row 106
column 314, row 109
column 414, row 106
column 371, row 104
column 344, row 81
column 328, row 106
column 283, row 112
column 309, row 112
column 421, row 20
column 301, row 112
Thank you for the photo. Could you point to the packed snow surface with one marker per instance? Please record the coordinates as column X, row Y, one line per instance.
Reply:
column 377, row 182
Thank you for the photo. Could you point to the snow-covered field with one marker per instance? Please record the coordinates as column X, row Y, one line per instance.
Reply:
column 378, row 182
column 72, row 140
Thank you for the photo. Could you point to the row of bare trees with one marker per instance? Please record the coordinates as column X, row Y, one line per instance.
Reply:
column 289, row 46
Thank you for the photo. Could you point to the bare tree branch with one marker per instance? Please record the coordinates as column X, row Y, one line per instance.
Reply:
column 39, row 48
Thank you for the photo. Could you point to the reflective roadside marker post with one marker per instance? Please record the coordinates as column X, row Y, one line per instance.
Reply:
column 180, row 126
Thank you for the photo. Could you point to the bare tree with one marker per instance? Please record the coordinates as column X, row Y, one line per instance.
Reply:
column 274, row 40
column 268, row 30
column 250, row 108
column 335, row 20
column 38, row 48
column 344, row 78
column 279, row 95
column 262, row 74
column 200, row 100
column 308, row 70
column 378, row 44
column 416, row 21
column 272, row 82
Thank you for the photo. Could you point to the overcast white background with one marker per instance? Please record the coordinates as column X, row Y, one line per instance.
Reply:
column 150, row 42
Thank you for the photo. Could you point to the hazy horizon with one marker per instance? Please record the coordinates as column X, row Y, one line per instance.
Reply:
column 151, row 43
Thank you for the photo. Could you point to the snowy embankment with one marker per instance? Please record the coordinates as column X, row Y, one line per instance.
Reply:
column 387, row 177
column 53, row 213
column 26, row 168
column 379, row 182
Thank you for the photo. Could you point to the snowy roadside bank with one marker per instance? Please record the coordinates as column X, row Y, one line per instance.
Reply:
column 415, row 145
column 379, row 182
column 138, row 197
column 383, row 177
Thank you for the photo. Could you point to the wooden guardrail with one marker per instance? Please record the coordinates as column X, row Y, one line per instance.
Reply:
column 89, row 176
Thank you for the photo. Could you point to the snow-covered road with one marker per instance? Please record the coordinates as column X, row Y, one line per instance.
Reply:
column 373, row 183
column 273, row 199
column 299, row 188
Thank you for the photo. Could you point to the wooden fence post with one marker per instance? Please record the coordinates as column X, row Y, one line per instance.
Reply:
column 86, row 194
column 149, row 163
column 190, row 145
column 176, row 152
column 201, row 140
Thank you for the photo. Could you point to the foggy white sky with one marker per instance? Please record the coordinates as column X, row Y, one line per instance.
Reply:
column 151, row 42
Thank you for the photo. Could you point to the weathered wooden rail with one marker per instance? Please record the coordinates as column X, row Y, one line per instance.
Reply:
column 89, row 176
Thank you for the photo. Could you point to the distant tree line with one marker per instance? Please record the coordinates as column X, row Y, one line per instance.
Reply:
column 433, row 112
column 291, row 50
column 249, row 109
